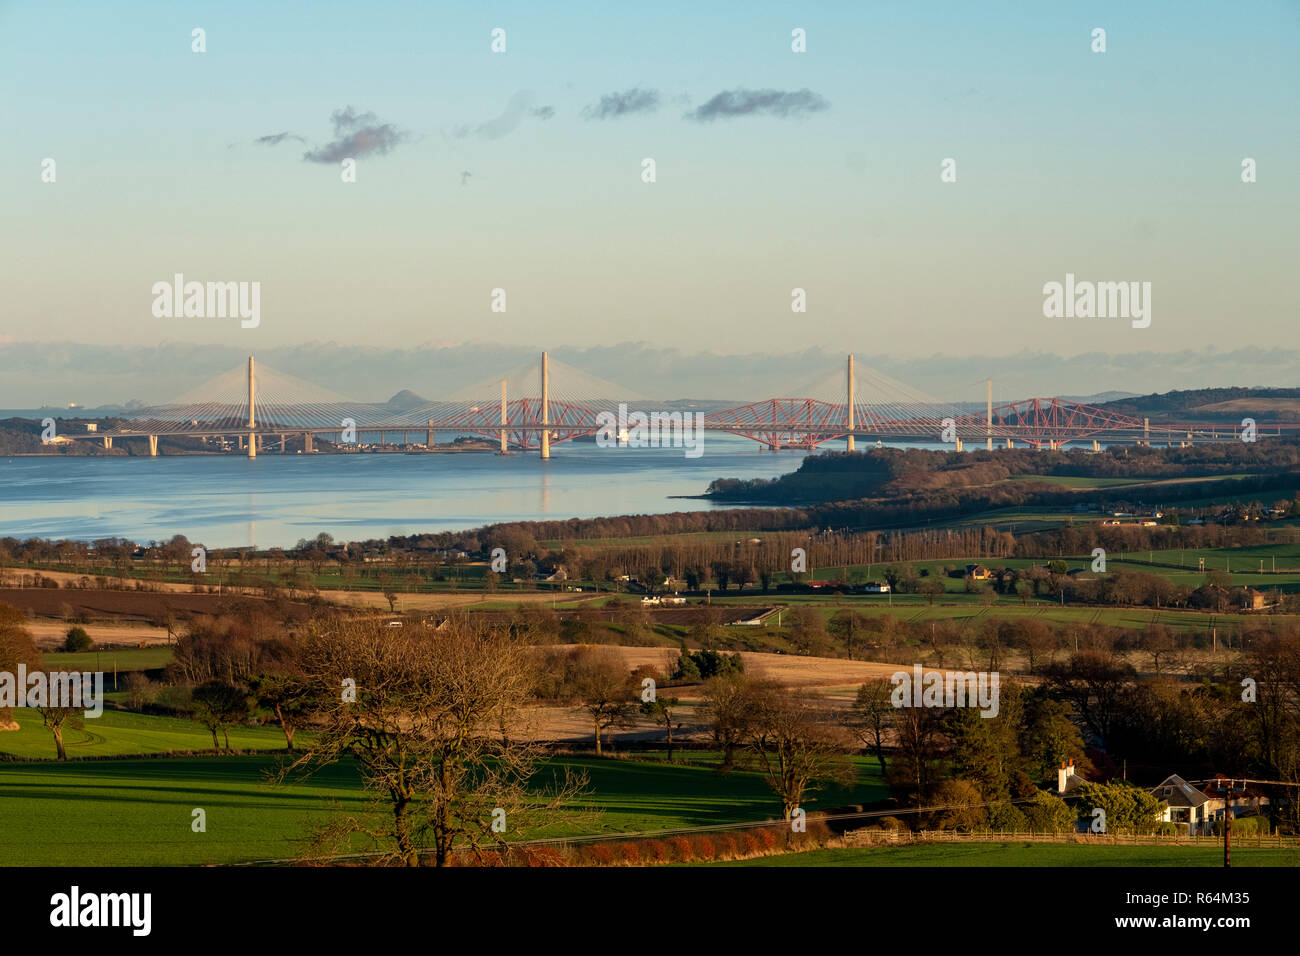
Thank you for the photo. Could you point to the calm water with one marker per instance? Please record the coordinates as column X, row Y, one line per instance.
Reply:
column 274, row 501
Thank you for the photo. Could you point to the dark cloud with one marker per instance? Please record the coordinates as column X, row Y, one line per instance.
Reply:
column 544, row 112
column 356, row 135
column 635, row 100
column 275, row 139
column 759, row 103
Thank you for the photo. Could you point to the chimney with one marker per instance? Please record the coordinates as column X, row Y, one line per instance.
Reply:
column 1060, row 778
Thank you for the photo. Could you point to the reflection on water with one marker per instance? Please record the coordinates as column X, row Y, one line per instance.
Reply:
column 274, row 501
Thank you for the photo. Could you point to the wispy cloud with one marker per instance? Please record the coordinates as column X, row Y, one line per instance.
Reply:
column 635, row 100
column 519, row 108
column 356, row 135
column 275, row 139
column 759, row 103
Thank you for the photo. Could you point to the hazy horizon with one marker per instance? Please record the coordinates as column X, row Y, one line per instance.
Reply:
column 33, row 375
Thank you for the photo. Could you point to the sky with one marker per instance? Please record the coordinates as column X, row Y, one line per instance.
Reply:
column 522, row 171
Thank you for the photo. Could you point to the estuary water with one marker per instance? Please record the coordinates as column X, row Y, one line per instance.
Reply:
column 273, row 501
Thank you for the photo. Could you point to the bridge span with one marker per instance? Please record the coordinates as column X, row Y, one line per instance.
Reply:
column 873, row 408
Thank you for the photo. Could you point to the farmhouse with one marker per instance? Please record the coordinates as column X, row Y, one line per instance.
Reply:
column 1184, row 804
column 977, row 572
column 1249, row 599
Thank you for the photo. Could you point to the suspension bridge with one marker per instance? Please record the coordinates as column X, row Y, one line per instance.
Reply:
column 256, row 408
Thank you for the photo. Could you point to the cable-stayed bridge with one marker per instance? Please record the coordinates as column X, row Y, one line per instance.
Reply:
column 538, row 405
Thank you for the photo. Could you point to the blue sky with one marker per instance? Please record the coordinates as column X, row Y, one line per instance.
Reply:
column 1116, row 166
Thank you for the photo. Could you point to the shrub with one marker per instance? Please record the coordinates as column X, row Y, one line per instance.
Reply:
column 704, row 848
column 681, row 848
column 728, row 846
column 750, row 842
column 77, row 640
column 602, row 854
column 1244, row 826
column 768, row 838
column 631, row 853
column 139, row 691
column 545, row 856
column 655, row 851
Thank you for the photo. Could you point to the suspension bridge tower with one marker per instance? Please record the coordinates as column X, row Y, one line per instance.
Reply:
column 851, row 403
column 252, row 417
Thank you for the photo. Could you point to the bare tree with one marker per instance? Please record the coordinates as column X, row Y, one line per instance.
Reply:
column 797, row 748
column 726, row 704
column 660, row 710
column 604, row 684
column 216, row 705
column 870, row 718
column 921, row 745
column 422, row 715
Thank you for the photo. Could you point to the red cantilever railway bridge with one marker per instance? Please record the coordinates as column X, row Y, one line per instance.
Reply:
column 261, row 406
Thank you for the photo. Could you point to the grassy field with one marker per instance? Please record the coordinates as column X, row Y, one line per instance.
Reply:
column 117, row 733
column 129, row 659
column 138, row 812
column 1029, row 854
column 1072, row 481
column 966, row 608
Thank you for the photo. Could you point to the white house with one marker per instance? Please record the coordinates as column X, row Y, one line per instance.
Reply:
column 1184, row 804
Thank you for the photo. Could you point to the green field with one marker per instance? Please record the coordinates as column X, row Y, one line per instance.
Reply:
column 1074, row 481
column 1030, row 854
column 128, row 659
column 138, row 811
column 118, row 733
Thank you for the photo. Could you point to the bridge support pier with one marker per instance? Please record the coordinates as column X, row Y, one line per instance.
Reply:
column 108, row 442
column 241, row 442
column 281, row 443
column 1010, row 443
column 428, row 438
column 252, row 445
column 306, row 443
column 153, row 446
column 958, row 444
column 1096, row 445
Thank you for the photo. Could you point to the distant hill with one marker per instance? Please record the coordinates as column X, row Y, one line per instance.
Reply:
column 1213, row 404
column 404, row 400
column 1100, row 398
